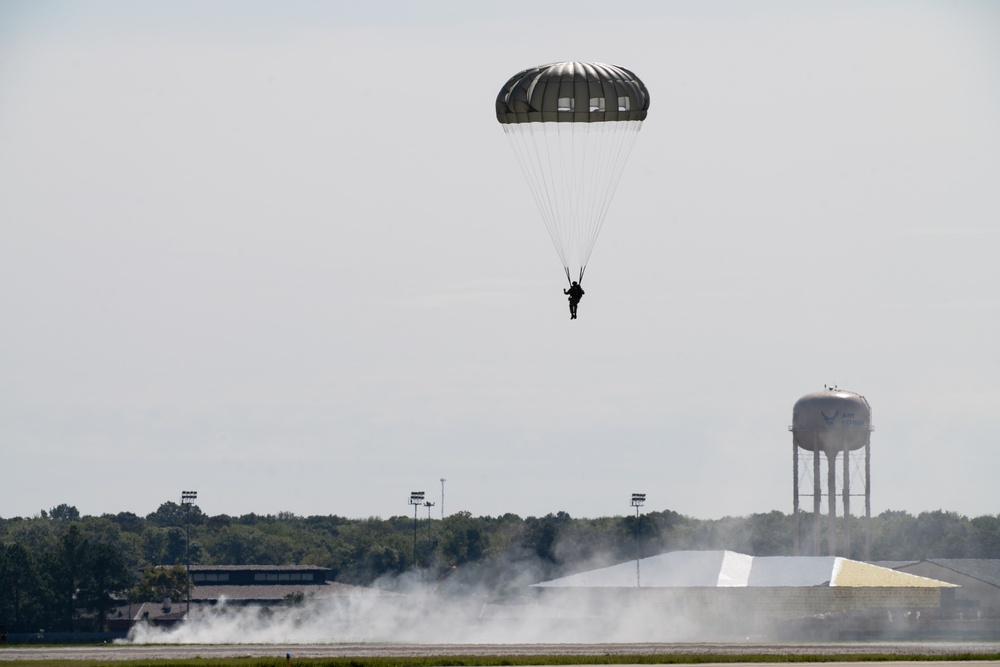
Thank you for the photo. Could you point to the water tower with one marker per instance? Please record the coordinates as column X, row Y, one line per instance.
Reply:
column 835, row 423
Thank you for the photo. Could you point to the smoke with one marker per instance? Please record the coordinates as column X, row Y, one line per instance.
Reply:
column 420, row 612
column 497, row 604
column 412, row 620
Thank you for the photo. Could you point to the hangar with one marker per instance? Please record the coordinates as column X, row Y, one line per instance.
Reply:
column 724, row 594
column 979, row 579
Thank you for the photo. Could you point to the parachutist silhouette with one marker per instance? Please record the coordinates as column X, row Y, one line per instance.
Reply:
column 575, row 293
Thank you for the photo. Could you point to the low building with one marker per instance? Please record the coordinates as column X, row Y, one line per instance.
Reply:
column 979, row 579
column 724, row 595
column 262, row 585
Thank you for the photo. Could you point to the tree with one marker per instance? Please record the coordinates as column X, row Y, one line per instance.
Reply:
column 985, row 536
column 770, row 534
column 20, row 588
column 64, row 512
column 127, row 521
column 540, row 534
column 464, row 539
column 894, row 537
column 170, row 514
column 108, row 577
column 159, row 583
column 386, row 559
column 67, row 569
column 942, row 534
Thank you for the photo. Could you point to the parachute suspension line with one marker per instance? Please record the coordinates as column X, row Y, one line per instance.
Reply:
column 532, row 156
column 617, row 141
column 560, row 164
column 598, row 137
column 572, row 170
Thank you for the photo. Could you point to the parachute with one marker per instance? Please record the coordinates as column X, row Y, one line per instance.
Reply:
column 572, row 126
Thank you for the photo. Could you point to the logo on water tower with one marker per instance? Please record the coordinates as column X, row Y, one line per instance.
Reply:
column 831, row 418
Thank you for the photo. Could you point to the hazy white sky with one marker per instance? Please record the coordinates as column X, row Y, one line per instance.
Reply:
column 280, row 253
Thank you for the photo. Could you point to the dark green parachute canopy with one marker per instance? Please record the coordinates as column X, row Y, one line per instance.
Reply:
column 573, row 92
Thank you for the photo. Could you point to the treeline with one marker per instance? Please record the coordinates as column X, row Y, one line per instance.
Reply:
column 58, row 564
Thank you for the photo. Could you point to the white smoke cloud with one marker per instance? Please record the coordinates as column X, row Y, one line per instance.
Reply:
column 424, row 614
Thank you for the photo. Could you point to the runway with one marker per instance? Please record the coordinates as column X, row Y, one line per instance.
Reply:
column 184, row 651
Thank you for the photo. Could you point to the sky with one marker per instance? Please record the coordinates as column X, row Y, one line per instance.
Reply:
column 281, row 253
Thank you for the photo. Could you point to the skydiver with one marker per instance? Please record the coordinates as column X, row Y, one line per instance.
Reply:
column 575, row 293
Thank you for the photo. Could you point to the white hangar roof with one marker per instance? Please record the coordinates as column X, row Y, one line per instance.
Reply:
column 688, row 569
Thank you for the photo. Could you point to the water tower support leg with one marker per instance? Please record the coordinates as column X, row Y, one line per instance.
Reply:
column 847, row 500
column 831, row 501
column 795, row 499
column 868, row 501
column 817, row 497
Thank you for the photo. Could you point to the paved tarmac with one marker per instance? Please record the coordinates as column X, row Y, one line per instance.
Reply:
column 182, row 651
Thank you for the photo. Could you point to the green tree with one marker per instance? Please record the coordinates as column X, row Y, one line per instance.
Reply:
column 770, row 534
column 20, row 589
column 942, row 535
column 159, row 583
column 170, row 514
column 108, row 577
column 385, row 559
column 127, row 521
column 67, row 569
column 64, row 512
column 985, row 537
column 463, row 540
column 540, row 535
column 894, row 536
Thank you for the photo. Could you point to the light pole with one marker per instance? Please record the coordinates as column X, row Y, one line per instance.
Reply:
column 416, row 499
column 428, row 505
column 637, row 500
column 443, row 480
column 187, row 497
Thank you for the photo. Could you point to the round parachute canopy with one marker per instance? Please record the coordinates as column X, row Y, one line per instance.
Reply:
column 572, row 126
column 573, row 92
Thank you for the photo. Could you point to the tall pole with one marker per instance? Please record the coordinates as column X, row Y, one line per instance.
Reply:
column 443, row 480
column 637, row 500
column 416, row 499
column 187, row 497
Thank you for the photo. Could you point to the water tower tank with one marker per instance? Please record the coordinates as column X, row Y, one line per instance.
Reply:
column 831, row 420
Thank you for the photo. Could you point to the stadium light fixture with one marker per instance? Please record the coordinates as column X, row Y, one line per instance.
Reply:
column 416, row 499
